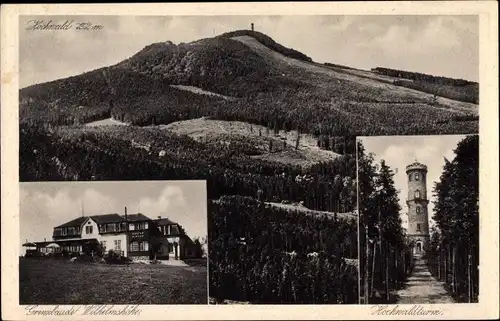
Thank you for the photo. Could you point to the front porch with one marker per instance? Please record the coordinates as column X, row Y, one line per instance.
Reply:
column 64, row 247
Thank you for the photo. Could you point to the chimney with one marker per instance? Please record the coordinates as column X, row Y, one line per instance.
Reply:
column 126, row 220
column 252, row 26
column 45, row 239
column 159, row 217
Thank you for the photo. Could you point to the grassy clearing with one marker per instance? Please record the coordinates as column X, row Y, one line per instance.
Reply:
column 106, row 122
column 308, row 211
column 283, row 149
column 64, row 282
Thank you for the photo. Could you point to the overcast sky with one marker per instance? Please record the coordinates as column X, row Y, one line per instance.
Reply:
column 438, row 45
column 45, row 205
column 400, row 151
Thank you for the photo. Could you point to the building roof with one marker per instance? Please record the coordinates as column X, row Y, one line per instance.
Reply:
column 164, row 221
column 99, row 219
column 115, row 218
column 107, row 218
column 416, row 165
column 76, row 222
column 136, row 217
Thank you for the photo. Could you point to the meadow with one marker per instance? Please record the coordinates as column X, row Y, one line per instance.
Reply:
column 65, row 282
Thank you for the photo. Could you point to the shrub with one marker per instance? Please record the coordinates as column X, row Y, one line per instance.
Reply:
column 113, row 257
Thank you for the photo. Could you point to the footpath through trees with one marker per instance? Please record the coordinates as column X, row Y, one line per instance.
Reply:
column 422, row 287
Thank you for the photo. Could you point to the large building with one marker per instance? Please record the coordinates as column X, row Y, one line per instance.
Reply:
column 418, row 217
column 133, row 235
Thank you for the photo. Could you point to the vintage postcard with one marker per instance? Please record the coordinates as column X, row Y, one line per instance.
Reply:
column 250, row 161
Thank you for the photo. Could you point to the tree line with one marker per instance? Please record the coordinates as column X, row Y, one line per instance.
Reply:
column 385, row 255
column 453, row 253
column 423, row 77
column 457, row 89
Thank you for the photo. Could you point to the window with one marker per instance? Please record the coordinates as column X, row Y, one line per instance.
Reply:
column 417, row 194
column 71, row 231
column 417, row 176
column 131, row 226
column 111, row 227
column 418, row 209
column 169, row 231
column 118, row 245
column 89, row 229
column 146, row 225
column 103, row 244
column 57, row 232
column 102, row 228
column 409, row 177
column 418, row 228
column 123, row 226
column 64, row 231
column 144, row 246
column 134, row 246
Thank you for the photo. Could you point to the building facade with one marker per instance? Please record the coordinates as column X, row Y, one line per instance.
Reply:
column 418, row 216
column 132, row 235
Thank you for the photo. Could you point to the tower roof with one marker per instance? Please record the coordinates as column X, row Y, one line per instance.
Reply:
column 416, row 165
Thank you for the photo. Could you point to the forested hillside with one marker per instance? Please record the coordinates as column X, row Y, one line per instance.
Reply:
column 278, row 256
column 128, row 153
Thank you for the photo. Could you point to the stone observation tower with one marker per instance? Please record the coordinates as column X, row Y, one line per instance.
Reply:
column 418, row 219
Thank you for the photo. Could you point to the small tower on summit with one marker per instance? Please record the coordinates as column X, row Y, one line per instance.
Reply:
column 251, row 26
column 418, row 219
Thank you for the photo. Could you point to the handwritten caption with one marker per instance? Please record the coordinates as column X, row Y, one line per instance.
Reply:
column 83, row 310
column 40, row 25
column 407, row 310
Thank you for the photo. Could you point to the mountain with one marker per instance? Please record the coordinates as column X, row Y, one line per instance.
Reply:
column 271, row 85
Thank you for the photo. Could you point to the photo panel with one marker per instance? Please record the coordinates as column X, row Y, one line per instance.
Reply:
column 257, row 159
column 124, row 243
column 418, row 199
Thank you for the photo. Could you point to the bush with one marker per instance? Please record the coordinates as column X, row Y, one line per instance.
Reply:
column 113, row 257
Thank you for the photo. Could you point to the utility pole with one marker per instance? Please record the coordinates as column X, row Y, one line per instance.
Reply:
column 126, row 231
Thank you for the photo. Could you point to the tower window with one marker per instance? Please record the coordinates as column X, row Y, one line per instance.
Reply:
column 417, row 194
column 409, row 177
column 419, row 228
column 417, row 177
column 418, row 209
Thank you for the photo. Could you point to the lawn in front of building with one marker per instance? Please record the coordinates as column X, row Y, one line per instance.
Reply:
column 46, row 281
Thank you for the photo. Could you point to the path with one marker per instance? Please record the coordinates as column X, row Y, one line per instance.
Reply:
column 422, row 287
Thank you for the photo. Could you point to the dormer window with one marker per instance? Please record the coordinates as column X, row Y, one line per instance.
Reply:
column 417, row 176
